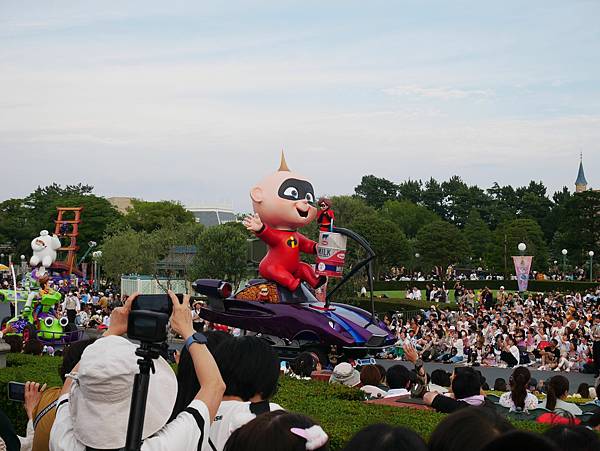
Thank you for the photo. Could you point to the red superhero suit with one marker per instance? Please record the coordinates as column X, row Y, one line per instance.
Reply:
column 282, row 263
column 325, row 219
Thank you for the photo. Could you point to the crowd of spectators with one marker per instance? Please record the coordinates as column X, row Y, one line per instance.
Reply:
column 451, row 273
column 553, row 331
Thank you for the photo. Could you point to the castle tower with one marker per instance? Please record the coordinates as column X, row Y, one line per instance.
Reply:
column 581, row 182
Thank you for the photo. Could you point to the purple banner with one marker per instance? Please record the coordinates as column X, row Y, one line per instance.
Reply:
column 522, row 268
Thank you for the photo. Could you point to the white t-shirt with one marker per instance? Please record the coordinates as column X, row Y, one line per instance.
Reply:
column 531, row 401
column 182, row 434
column 230, row 416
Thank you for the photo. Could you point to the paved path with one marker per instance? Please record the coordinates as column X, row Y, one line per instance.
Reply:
column 492, row 373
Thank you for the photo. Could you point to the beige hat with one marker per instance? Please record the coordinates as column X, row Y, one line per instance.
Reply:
column 101, row 394
column 343, row 373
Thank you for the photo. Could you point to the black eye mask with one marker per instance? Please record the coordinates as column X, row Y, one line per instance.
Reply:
column 294, row 189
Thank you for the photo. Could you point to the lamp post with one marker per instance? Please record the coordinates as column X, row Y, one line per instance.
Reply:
column 591, row 254
column 522, row 248
column 96, row 255
column 564, row 253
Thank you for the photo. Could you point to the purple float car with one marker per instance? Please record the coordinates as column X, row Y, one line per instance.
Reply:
column 296, row 322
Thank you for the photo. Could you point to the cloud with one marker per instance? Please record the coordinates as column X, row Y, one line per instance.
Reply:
column 443, row 93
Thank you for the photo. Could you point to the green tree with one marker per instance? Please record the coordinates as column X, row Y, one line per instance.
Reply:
column 410, row 190
column 387, row 240
column 433, row 197
column 441, row 244
column 150, row 216
column 375, row 191
column 478, row 235
column 408, row 216
column 509, row 235
column 128, row 252
column 222, row 254
column 579, row 226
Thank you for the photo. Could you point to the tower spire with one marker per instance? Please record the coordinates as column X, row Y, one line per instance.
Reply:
column 581, row 182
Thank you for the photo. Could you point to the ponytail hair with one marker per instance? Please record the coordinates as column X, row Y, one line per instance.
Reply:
column 518, row 386
column 557, row 387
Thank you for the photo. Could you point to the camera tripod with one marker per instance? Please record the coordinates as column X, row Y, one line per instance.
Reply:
column 137, row 412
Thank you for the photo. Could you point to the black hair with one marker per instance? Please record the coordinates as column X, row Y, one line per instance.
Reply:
column 584, row 390
column 271, row 431
column 468, row 429
column 33, row 346
column 383, row 437
column 440, row 377
column 304, row 364
column 187, row 381
column 72, row 355
column 520, row 440
column 573, row 438
column 519, row 380
column 556, row 388
column 465, row 384
column 249, row 366
column 15, row 342
column 397, row 376
column 500, row 384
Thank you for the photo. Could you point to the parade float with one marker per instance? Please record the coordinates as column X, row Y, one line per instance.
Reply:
column 282, row 306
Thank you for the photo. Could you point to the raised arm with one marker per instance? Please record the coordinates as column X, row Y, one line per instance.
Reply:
column 212, row 386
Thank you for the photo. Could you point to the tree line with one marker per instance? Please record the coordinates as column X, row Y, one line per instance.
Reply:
column 451, row 222
column 445, row 223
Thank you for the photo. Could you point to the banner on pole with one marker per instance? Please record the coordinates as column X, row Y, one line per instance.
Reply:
column 522, row 269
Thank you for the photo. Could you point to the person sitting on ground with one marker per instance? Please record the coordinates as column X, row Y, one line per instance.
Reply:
column 466, row 391
column 304, row 365
column 383, row 437
column 440, row 381
column 573, row 438
column 518, row 398
column 583, row 390
column 468, row 429
column 371, row 380
column 33, row 346
column 556, row 393
column 279, row 431
column 371, row 375
column 345, row 374
column 500, row 384
column 250, row 370
column 104, row 383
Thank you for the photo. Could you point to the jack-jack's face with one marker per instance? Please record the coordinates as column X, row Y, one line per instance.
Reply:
column 284, row 200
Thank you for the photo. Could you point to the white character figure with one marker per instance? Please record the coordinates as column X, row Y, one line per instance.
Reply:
column 44, row 251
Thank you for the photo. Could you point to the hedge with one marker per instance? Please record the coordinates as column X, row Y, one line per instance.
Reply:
column 534, row 285
column 398, row 304
column 338, row 409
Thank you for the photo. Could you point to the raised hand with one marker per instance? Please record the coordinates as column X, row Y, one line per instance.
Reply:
column 253, row 222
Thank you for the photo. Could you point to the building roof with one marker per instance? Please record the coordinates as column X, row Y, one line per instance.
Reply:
column 580, row 175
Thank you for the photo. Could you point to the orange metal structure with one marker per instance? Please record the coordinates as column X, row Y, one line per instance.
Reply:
column 68, row 228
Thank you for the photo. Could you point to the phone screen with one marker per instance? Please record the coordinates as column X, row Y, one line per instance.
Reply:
column 16, row 391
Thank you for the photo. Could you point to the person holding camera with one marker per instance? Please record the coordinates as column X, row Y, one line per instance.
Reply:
column 93, row 409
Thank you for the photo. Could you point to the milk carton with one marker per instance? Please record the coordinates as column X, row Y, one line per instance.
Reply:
column 331, row 254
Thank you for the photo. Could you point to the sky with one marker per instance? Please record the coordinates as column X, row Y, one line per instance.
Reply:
column 193, row 101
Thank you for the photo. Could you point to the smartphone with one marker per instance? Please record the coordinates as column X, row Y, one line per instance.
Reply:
column 159, row 303
column 16, row 391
